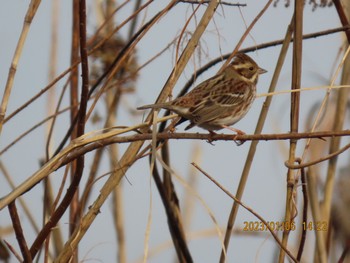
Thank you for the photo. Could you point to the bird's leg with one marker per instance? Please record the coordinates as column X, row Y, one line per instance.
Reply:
column 172, row 125
column 210, row 139
column 238, row 132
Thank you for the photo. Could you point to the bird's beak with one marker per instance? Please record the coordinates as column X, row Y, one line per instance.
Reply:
column 261, row 71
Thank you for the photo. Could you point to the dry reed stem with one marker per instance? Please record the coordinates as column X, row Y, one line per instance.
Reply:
column 240, row 42
column 76, row 63
column 118, row 62
column 329, row 88
column 334, row 149
column 20, row 199
column 250, row 210
column 83, row 145
column 70, row 198
column 56, row 161
column 74, row 111
column 339, row 119
column 19, row 232
column 320, row 239
column 13, row 251
column 57, row 239
column 294, row 121
column 112, row 104
column 166, row 188
column 129, row 156
column 169, row 198
column 324, row 102
column 51, row 96
column 54, row 118
column 33, row 7
column 132, row 28
column 215, row 61
column 304, row 214
column 183, row 30
column 197, row 195
column 327, row 157
column 151, row 168
column 95, row 164
column 171, row 205
column 270, row 94
column 118, row 211
column 7, row 147
column 148, row 226
column 258, row 130
column 97, row 144
column 37, row 125
column 255, row 48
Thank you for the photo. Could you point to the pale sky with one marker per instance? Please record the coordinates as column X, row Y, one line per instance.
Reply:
column 265, row 190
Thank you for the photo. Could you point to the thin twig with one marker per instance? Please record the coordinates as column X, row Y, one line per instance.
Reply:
column 54, row 116
column 110, row 72
column 22, row 202
column 196, row 74
column 344, row 254
column 13, row 251
column 187, row 186
column 19, row 232
column 76, row 63
column 248, row 209
column 74, row 111
column 112, row 101
column 269, row 94
column 305, row 211
column 129, row 156
column 339, row 119
column 328, row 157
column 132, row 27
column 255, row 48
column 82, row 146
column 80, row 130
column 343, row 19
column 37, row 125
column 252, row 149
column 208, row 1
column 245, row 35
column 176, row 230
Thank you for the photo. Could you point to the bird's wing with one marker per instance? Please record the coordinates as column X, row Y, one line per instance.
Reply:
column 207, row 85
column 229, row 93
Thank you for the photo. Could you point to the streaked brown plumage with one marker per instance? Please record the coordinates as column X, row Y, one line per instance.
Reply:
column 221, row 100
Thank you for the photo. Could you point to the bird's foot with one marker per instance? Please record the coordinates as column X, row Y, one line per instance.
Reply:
column 238, row 133
column 172, row 127
column 210, row 139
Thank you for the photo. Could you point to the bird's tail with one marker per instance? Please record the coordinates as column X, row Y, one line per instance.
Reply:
column 154, row 106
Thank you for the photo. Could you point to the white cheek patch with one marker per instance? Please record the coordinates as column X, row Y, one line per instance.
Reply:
column 245, row 79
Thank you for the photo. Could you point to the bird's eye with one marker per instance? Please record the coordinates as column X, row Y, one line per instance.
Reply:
column 251, row 68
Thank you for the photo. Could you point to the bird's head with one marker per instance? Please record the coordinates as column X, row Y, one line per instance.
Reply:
column 246, row 67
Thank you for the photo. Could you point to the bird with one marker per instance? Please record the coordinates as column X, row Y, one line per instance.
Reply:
column 219, row 101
